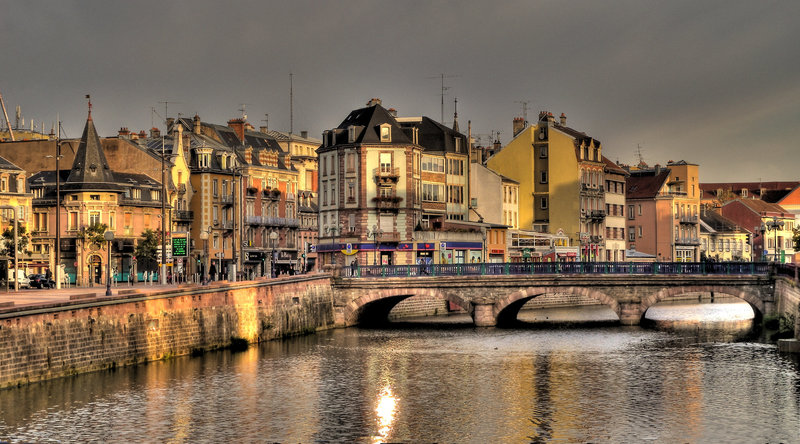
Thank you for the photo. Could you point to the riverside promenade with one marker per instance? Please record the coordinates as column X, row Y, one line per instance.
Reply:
column 47, row 296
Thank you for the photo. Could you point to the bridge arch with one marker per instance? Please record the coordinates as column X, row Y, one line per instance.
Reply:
column 507, row 308
column 374, row 307
column 665, row 294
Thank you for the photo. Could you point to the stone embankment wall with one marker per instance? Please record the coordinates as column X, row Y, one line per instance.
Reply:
column 787, row 291
column 92, row 334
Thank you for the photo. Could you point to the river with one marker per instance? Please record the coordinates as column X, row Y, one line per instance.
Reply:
column 448, row 383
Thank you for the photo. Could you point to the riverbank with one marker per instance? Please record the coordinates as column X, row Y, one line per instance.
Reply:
column 89, row 331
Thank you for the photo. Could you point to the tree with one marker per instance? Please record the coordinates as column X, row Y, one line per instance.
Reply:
column 147, row 248
column 23, row 239
column 93, row 235
column 796, row 239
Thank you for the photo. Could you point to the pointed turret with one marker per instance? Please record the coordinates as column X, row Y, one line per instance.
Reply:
column 90, row 170
column 455, row 116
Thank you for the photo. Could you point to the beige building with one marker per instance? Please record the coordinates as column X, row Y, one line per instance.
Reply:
column 615, row 212
column 722, row 239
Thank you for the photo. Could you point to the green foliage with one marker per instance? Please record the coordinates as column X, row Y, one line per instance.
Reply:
column 23, row 240
column 93, row 235
column 796, row 239
column 147, row 248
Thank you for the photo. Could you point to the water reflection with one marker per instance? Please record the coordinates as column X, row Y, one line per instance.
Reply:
column 617, row 384
column 385, row 411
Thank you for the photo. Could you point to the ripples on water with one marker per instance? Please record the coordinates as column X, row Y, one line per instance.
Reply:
column 616, row 384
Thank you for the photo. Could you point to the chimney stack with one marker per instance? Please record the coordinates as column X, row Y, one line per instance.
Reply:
column 154, row 132
column 142, row 134
column 518, row 126
column 393, row 112
column 196, row 126
column 124, row 133
column 304, row 134
column 563, row 119
column 237, row 125
column 374, row 101
column 263, row 129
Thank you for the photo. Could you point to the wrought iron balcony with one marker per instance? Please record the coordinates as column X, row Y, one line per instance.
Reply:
column 183, row 215
column 689, row 219
column 387, row 202
column 226, row 199
column 687, row 241
column 387, row 174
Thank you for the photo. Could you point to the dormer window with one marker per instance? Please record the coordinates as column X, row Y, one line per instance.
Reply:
column 386, row 133
column 351, row 134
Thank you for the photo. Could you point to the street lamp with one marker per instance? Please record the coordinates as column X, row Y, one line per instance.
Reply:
column 774, row 225
column 375, row 234
column 204, row 237
column 333, row 230
column 108, row 236
column 58, row 156
column 273, row 236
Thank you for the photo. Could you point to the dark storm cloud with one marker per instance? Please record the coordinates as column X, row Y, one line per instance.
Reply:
column 712, row 82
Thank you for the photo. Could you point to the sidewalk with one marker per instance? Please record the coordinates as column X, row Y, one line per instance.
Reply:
column 49, row 295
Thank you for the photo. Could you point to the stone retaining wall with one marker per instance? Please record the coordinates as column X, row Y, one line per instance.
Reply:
column 97, row 333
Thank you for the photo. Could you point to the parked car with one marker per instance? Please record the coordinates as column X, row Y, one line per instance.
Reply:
column 41, row 281
column 22, row 280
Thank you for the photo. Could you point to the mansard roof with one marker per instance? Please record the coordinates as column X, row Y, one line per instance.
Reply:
column 433, row 136
column 90, row 170
column 368, row 120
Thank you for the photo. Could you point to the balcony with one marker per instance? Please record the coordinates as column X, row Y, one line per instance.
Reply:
column 688, row 219
column 687, row 241
column 596, row 239
column 226, row 199
column 588, row 189
column 273, row 194
column 280, row 222
column 387, row 174
column 597, row 214
column 387, row 203
column 254, row 220
column 227, row 225
column 183, row 215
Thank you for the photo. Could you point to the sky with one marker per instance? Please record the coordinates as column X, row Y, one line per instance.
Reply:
column 716, row 83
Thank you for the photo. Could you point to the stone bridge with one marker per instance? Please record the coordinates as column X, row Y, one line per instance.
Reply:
column 496, row 300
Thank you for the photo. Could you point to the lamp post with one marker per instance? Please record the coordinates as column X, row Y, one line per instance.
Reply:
column 375, row 234
column 273, row 236
column 204, row 237
column 775, row 225
column 108, row 236
column 334, row 231
column 58, row 156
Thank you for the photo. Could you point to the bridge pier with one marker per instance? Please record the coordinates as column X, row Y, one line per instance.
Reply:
column 630, row 314
column 483, row 313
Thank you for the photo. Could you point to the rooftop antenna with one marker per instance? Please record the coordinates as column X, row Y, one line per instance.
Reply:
column 444, row 88
column 243, row 109
column 166, row 109
column 524, row 109
column 291, row 103
column 639, row 154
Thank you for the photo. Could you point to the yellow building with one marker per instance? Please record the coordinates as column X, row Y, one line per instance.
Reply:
column 14, row 193
column 722, row 239
column 561, row 175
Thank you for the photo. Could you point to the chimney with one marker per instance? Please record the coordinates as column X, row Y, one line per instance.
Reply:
column 550, row 118
column 237, row 125
column 563, row 119
column 196, row 126
column 263, row 129
column 142, row 134
column 657, row 169
column 496, row 146
column 374, row 101
column 518, row 126
column 154, row 132
column 304, row 134
column 124, row 133
column 393, row 112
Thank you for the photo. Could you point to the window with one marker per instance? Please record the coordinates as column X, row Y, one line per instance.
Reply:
column 94, row 197
column 458, row 144
column 432, row 192
column 543, row 203
column 351, row 191
column 631, row 216
column 631, row 236
column 215, row 214
column 386, row 162
column 640, row 231
column 128, row 220
column 351, row 134
column 640, row 209
column 215, row 187
column 351, row 162
column 94, row 218
column 386, row 133
column 543, row 152
column 543, row 177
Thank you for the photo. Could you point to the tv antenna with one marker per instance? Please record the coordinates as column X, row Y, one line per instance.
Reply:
column 166, row 108
column 444, row 88
column 524, row 109
column 243, row 110
column 639, row 154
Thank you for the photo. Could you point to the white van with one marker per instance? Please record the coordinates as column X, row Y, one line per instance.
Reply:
column 22, row 280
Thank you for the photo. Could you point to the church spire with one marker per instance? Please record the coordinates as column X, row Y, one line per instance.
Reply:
column 89, row 98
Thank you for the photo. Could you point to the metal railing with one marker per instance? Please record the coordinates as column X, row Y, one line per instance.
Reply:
column 560, row 268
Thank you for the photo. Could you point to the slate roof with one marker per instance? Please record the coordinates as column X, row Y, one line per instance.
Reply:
column 435, row 137
column 90, row 170
column 367, row 121
column 5, row 164
column 645, row 185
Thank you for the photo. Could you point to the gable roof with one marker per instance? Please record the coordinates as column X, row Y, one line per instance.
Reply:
column 613, row 168
column 6, row 165
column 645, row 185
column 759, row 206
column 714, row 222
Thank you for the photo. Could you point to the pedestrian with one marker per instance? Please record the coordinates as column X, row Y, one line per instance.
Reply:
column 212, row 271
column 48, row 277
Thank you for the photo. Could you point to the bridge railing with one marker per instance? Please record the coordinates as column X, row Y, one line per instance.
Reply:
column 555, row 268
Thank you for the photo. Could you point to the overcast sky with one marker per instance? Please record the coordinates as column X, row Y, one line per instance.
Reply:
column 711, row 82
